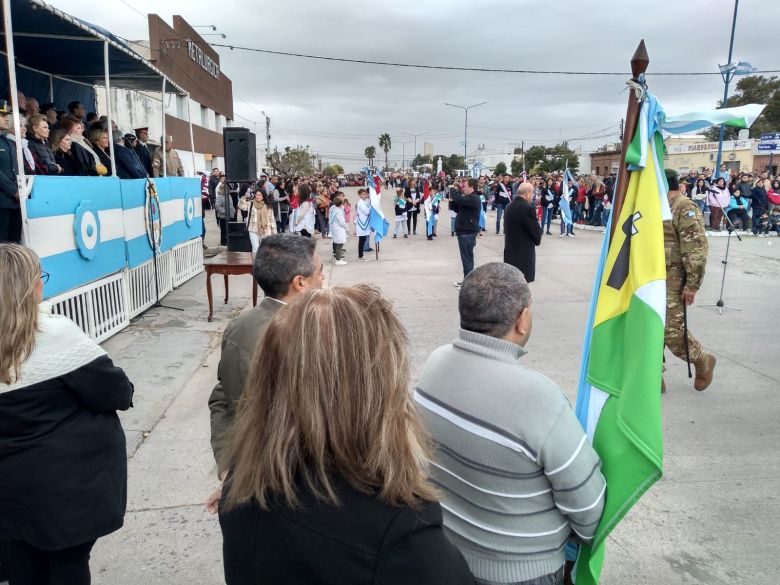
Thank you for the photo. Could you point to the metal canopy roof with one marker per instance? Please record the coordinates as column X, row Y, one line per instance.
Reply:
column 51, row 41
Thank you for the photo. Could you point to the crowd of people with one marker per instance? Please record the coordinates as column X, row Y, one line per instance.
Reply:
column 70, row 142
column 745, row 201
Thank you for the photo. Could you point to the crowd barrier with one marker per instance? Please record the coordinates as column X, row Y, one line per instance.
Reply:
column 94, row 236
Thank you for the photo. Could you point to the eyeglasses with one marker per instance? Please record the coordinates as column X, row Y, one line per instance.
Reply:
column 44, row 276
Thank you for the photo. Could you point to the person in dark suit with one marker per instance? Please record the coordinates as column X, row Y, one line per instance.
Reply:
column 327, row 480
column 10, row 210
column 128, row 166
column 285, row 265
column 143, row 151
column 522, row 233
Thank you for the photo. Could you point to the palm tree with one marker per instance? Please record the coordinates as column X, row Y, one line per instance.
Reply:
column 370, row 153
column 385, row 143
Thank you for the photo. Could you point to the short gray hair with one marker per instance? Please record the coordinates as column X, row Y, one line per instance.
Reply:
column 491, row 298
column 279, row 259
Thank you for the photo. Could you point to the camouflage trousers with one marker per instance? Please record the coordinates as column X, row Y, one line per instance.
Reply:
column 674, row 334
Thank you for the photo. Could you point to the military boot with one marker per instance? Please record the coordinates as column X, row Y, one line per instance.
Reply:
column 705, row 367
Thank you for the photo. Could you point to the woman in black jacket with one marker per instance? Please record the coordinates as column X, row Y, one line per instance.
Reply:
column 760, row 203
column 64, row 155
column 63, row 466
column 327, row 480
column 37, row 138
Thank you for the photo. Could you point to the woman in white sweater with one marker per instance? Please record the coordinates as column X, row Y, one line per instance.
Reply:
column 304, row 217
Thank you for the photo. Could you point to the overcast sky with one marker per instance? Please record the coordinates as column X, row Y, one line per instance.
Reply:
column 340, row 108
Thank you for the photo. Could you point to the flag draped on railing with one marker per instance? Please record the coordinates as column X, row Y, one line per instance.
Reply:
column 619, row 399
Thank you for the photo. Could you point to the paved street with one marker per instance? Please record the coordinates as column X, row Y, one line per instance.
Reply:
column 709, row 520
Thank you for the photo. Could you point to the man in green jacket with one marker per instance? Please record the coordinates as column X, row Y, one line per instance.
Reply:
column 285, row 265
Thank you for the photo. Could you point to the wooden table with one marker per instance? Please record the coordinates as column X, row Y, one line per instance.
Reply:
column 229, row 264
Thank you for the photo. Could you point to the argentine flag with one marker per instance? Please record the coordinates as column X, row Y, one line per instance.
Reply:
column 376, row 220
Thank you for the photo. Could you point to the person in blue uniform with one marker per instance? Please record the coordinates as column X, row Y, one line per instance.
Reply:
column 10, row 211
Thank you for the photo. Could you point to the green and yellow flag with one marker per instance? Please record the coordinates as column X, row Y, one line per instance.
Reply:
column 619, row 401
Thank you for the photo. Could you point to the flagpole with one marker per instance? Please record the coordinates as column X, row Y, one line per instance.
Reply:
column 639, row 63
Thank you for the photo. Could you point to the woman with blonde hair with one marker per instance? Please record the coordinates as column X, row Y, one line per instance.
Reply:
column 63, row 466
column 99, row 139
column 328, row 459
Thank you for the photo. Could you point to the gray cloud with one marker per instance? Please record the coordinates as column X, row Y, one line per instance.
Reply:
column 338, row 109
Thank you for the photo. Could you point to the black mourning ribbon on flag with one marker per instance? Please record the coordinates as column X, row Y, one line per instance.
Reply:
column 617, row 278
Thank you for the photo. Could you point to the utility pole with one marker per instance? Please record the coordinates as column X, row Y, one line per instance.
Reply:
column 622, row 121
column 522, row 152
column 267, row 138
column 727, row 77
column 403, row 154
column 415, row 140
column 466, row 127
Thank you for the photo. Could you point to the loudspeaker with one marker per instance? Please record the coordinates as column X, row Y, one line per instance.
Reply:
column 240, row 155
column 238, row 237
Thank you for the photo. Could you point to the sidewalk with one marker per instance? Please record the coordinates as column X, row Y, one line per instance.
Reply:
column 709, row 520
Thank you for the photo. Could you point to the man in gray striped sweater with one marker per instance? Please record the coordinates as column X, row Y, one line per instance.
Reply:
column 516, row 471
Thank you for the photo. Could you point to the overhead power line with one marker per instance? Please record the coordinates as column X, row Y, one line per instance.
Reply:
column 454, row 68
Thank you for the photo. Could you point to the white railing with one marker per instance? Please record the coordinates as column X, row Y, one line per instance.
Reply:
column 141, row 285
column 105, row 307
column 187, row 261
column 99, row 308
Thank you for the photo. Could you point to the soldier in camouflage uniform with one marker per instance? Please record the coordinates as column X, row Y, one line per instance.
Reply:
column 686, row 258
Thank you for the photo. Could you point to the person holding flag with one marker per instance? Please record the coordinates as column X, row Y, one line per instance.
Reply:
column 431, row 206
column 376, row 217
column 567, row 197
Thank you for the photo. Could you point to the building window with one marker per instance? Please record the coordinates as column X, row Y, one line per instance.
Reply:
column 204, row 116
column 597, row 170
column 181, row 107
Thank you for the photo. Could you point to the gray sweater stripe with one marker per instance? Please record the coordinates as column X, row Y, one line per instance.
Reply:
column 491, row 510
column 479, row 424
column 582, row 483
column 486, row 468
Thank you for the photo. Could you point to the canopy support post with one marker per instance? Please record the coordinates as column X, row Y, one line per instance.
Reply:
column 51, row 88
column 192, row 138
column 163, row 137
column 23, row 183
column 108, row 109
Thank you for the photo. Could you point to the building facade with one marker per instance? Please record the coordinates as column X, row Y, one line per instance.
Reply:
column 606, row 160
column 189, row 62
column 693, row 152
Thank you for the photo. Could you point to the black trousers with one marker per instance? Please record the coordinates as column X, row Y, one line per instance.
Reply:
column 411, row 222
column 31, row 566
column 466, row 243
column 11, row 225
column 222, row 231
column 361, row 245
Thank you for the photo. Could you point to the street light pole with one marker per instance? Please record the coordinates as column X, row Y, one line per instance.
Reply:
column 415, row 140
column 466, row 127
column 403, row 154
column 729, row 75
